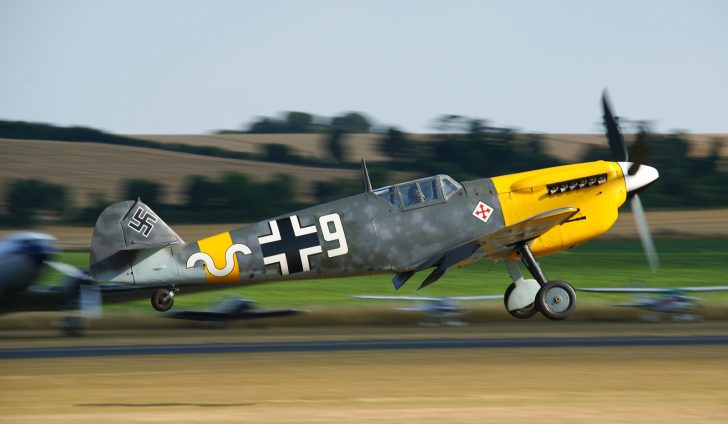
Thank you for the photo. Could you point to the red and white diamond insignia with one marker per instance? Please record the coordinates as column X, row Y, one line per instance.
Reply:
column 482, row 211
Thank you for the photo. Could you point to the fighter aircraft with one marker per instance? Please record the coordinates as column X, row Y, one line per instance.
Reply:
column 670, row 300
column 233, row 309
column 23, row 256
column 446, row 309
column 433, row 222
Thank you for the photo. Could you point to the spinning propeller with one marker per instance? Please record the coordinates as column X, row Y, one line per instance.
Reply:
column 636, row 175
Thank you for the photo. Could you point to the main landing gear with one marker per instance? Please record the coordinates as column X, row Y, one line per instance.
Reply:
column 524, row 297
column 163, row 299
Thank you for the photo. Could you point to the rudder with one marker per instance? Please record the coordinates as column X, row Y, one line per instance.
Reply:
column 122, row 230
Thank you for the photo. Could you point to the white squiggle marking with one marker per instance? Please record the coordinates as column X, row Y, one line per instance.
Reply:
column 229, row 260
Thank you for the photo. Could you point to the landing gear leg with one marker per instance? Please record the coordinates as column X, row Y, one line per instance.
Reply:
column 532, row 264
column 555, row 299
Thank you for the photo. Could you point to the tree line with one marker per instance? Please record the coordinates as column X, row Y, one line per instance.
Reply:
column 465, row 148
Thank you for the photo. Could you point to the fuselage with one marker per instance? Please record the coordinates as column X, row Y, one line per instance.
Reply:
column 385, row 231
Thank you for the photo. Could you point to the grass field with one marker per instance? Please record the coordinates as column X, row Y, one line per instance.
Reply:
column 595, row 264
column 545, row 385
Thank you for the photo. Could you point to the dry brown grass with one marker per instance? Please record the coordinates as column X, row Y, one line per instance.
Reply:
column 571, row 147
column 546, row 385
column 710, row 223
column 567, row 147
column 310, row 145
column 98, row 170
column 94, row 170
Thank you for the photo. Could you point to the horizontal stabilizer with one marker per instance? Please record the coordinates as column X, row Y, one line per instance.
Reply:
column 123, row 229
column 144, row 246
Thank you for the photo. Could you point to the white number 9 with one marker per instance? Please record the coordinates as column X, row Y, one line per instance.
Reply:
column 337, row 234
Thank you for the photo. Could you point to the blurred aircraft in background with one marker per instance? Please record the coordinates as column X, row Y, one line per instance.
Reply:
column 233, row 309
column 23, row 257
column 670, row 300
column 446, row 309
column 402, row 229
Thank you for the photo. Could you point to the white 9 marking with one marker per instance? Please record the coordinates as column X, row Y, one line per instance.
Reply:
column 337, row 234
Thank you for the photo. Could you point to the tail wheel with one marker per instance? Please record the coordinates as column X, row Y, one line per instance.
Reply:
column 556, row 300
column 162, row 300
column 523, row 313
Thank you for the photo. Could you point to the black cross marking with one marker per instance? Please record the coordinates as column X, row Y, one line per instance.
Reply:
column 290, row 245
column 142, row 222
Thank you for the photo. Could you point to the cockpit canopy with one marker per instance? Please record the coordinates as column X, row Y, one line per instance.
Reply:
column 419, row 193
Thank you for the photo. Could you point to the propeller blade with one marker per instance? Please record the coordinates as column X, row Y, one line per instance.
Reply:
column 643, row 230
column 640, row 152
column 68, row 270
column 614, row 135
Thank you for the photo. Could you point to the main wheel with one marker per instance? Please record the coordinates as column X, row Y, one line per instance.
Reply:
column 556, row 300
column 162, row 300
column 523, row 313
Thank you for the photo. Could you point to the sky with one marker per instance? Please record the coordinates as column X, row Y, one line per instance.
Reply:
column 192, row 67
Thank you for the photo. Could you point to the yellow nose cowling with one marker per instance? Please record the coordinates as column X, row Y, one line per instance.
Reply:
column 596, row 188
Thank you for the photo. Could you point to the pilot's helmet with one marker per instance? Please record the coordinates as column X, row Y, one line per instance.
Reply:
column 415, row 194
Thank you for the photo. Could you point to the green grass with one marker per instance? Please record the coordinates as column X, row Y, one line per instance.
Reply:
column 596, row 264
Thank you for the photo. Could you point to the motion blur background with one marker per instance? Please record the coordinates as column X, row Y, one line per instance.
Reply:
column 204, row 109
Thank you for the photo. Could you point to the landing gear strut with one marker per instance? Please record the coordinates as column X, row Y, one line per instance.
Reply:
column 163, row 299
column 554, row 299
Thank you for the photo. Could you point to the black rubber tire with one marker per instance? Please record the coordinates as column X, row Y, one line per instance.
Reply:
column 158, row 302
column 556, row 300
column 523, row 313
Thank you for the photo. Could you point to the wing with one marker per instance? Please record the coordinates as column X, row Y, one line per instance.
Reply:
column 655, row 290
column 398, row 298
column 498, row 244
column 528, row 229
column 482, row 297
column 703, row 289
column 643, row 290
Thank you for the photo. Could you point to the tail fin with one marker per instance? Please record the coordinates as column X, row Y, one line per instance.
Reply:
column 121, row 231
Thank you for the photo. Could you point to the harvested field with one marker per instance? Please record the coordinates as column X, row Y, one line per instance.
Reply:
column 309, row 145
column 567, row 147
column 98, row 170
